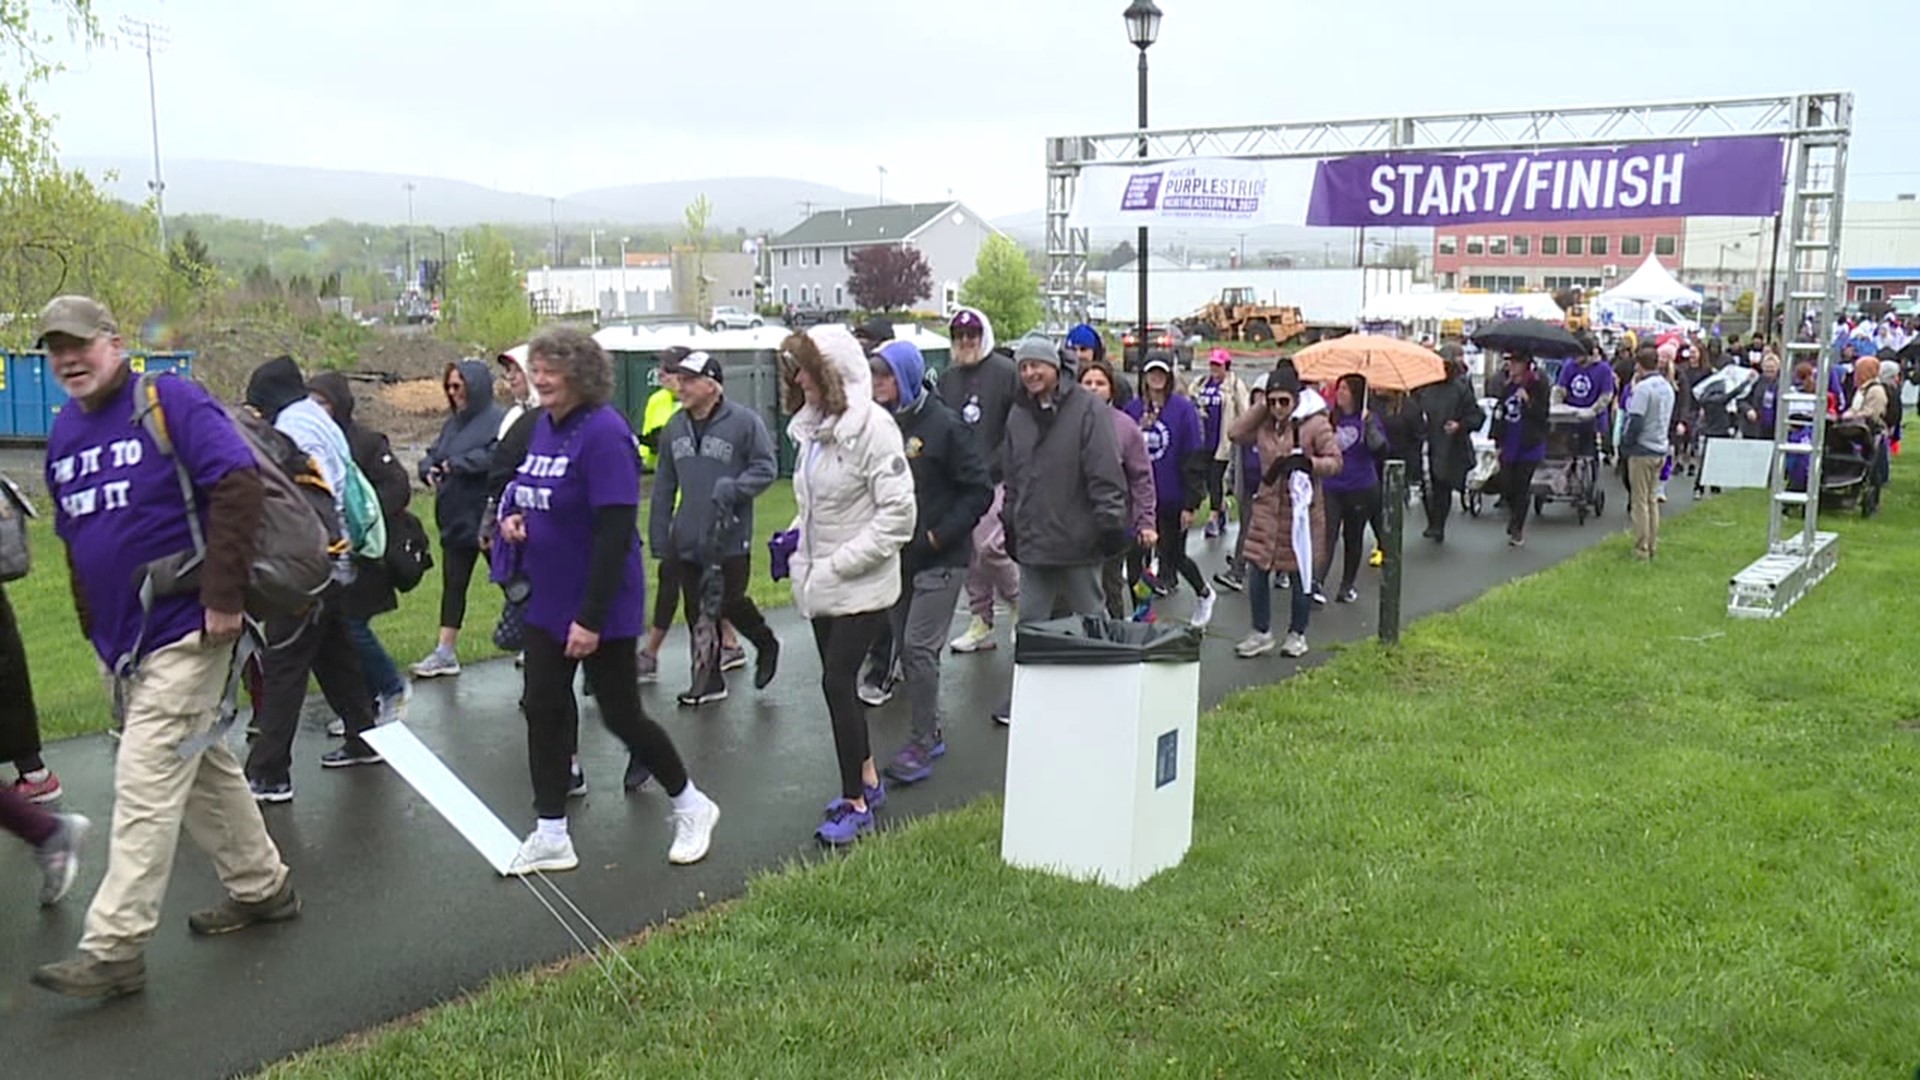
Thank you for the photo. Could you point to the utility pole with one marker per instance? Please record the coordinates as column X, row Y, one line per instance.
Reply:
column 411, row 278
column 150, row 35
column 806, row 206
column 553, row 216
column 883, row 184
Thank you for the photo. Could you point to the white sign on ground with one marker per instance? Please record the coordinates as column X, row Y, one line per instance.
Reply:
column 1737, row 463
column 436, row 783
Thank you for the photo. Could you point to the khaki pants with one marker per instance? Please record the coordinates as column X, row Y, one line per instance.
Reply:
column 1643, row 489
column 175, row 695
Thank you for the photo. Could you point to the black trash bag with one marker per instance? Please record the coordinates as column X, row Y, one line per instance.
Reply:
column 1098, row 640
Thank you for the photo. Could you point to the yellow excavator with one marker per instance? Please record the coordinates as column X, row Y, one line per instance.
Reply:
column 1239, row 316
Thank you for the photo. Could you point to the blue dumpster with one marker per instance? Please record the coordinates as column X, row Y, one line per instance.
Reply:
column 30, row 395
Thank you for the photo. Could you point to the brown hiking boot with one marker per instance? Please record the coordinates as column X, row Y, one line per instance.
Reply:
column 232, row 915
column 85, row 976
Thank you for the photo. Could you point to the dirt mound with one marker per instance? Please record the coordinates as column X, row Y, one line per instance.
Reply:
column 416, row 397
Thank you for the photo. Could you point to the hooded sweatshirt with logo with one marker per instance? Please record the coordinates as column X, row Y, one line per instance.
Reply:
column 465, row 447
column 728, row 455
column 950, row 480
column 982, row 393
column 1177, row 448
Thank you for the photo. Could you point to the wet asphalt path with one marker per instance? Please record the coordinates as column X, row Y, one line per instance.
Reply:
column 401, row 914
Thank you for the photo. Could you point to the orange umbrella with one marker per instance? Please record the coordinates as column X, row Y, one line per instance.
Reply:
column 1386, row 363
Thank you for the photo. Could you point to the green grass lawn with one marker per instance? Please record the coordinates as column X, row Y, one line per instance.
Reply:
column 67, row 688
column 1587, row 826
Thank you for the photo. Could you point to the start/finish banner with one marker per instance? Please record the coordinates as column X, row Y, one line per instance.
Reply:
column 1732, row 177
column 1194, row 192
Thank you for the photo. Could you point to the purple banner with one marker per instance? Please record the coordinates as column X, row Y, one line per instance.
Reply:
column 1734, row 177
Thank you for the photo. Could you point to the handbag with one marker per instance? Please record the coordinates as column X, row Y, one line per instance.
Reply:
column 16, row 510
column 510, row 633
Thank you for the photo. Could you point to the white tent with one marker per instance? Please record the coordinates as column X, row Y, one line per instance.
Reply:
column 1414, row 307
column 1651, row 284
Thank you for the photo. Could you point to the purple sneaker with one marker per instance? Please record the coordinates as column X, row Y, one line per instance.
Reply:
column 876, row 796
column 911, row 765
column 843, row 824
column 936, row 746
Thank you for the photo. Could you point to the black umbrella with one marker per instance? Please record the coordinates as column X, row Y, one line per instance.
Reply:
column 1531, row 336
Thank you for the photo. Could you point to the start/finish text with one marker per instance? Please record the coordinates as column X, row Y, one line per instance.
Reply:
column 1529, row 185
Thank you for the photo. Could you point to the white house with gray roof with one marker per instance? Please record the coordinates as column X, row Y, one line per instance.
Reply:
column 810, row 261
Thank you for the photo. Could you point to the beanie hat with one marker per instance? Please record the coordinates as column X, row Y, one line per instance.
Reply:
column 1036, row 348
column 1083, row 337
column 1285, row 379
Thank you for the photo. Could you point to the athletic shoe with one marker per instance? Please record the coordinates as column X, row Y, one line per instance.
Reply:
column 577, row 783
column 337, row 728
column 1203, row 610
column 1230, row 580
column 1348, row 595
column 59, row 858
column 230, row 915
column 274, row 792
column 1004, row 719
column 1516, row 541
column 876, row 795
column 84, row 976
column 647, row 664
column 1255, row 644
column 911, row 764
column 844, row 824
column 539, row 855
column 693, row 831
column 349, row 755
column 693, row 699
column 1294, row 645
column 875, row 694
column 392, row 707
column 1319, row 596
column 636, row 776
column 732, row 658
column 436, row 665
column 979, row 637
column 520, row 659
column 766, row 663
column 1212, row 531
column 44, row 790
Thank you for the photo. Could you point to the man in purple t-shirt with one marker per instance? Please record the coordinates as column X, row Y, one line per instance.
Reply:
column 1586, row 383
column 118, row 507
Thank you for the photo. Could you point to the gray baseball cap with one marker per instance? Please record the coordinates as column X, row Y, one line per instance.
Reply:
column 76, row 316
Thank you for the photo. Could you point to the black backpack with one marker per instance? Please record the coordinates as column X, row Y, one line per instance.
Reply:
column 409, row 552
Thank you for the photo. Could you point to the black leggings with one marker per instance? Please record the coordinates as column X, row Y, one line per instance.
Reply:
column 680, row 586
column 456, row 573
column 1516, row 486
column 1348, row 513
column 1173, row 552
column 19, row 722
column 843, row 641
column 553, row 717
column 1217, row 486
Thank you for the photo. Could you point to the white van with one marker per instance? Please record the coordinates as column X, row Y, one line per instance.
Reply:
column 1642, row 318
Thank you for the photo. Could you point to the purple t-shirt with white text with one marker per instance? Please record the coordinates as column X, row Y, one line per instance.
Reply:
column 1587, row 385
column 1212, row 405
column 572, row 470
column 118, row 507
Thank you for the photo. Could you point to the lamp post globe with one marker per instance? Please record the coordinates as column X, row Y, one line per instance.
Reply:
column 1143, row 23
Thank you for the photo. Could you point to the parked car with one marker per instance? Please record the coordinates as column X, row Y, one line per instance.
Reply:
column 804, row 315
column 1164, row 338
column 734, row 318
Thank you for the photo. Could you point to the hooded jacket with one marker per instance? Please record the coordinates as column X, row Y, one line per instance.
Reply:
column 1066, row 502
column 728, row 458
column 1270, row 527
column 982, row 394
column 1234, row 397
column 277, row 391
column 465, row 447
column 1450, row 454
column 371, row 591
column 852, row 483
column 950, row 481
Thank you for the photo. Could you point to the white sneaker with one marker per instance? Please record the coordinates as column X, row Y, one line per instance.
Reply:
column 435, row 665
column 693, row 831
column 393, row 707
column 1255, row 644
column 1203, row 610
column 538, row 854
column 979, row 637
column 1294, row 645
column 337, row 728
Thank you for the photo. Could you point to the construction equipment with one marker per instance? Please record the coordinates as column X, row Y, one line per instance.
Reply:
column 1573, row 301
column 1239, row 316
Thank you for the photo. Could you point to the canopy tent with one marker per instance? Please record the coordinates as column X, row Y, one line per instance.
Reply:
column 1445, row 306
column 1651, row 284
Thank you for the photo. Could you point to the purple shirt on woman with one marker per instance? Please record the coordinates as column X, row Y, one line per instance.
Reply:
column 1211, row 400
column 1172, row 437
column 572, row 470
column 118, row 507
column 1358, row 470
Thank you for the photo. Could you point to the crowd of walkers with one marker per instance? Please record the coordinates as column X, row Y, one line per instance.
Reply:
column 1035, row 478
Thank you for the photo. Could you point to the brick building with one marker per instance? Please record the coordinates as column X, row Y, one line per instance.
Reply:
column 1518, row 256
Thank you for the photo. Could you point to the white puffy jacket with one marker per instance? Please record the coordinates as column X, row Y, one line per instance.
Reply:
column 854, row 489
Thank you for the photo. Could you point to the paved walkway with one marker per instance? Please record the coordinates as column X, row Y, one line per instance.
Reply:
column 401, row 914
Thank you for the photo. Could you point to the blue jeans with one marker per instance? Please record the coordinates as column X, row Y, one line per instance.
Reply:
column 383, row 676
column 1260, row 601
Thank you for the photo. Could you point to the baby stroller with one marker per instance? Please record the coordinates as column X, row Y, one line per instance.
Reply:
column 1571, row 472
column 1850, row 467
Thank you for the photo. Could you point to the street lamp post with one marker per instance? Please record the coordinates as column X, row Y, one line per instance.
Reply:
column 412, row 272
column 1143, row 28
column 624, row 241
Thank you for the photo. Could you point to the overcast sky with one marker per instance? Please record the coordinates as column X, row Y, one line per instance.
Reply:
column 560, row 96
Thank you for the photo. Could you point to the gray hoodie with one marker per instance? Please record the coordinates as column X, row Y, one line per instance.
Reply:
column 1066, row 491
column 982, row 394
column 732, row 457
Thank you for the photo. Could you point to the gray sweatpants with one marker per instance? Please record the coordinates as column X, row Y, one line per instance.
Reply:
column 1048, row 592
column 921, row 622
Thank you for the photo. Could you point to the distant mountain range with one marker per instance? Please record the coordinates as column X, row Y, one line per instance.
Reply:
column 294, row 196
column 1305, row 241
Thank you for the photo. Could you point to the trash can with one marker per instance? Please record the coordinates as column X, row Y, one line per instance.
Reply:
column 1100, row 754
